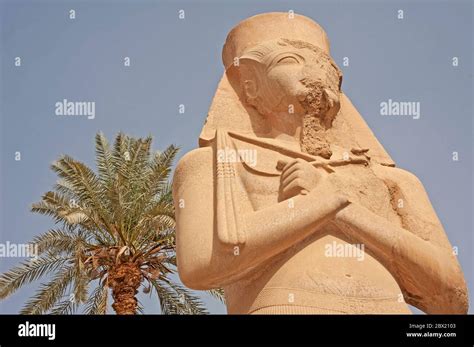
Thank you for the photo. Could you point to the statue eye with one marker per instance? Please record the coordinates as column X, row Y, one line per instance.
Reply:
column 288, row 60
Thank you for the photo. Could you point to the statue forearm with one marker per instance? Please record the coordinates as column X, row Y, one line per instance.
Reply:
column 280, row 226
column 272, row 230
column 429, row 275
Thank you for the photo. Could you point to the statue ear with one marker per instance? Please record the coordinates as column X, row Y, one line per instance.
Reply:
column 333, row 104
column 250, row 89
column 249, row 74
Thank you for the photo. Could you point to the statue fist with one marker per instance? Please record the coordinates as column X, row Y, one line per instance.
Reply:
column 298, row 177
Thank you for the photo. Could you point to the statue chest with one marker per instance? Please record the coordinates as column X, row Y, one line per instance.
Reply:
column 358, row 182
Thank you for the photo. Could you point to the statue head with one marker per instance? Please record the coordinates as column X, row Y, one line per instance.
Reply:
column 278, row 69
column 290, row 77
column 281, row 66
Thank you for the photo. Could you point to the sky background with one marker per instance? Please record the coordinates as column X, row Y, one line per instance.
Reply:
column 178, row 61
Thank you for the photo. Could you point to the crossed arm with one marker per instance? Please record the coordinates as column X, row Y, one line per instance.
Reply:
column 426, row 269
column 428, row 273
column 203, row 260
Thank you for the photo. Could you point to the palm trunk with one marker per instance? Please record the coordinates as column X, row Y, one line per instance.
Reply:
column 124, row 281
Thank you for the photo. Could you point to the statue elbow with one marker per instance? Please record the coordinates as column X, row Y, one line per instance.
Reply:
column 193, row 272
column 190, row 279
column 454, row 300
column 458, row 293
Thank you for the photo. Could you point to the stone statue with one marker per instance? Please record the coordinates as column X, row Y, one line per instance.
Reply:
column 291, row 205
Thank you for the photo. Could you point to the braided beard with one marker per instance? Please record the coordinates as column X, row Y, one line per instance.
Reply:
column 313, row 139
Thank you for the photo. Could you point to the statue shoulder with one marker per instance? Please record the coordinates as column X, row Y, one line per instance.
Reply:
column 194, row 165
column 399, row 177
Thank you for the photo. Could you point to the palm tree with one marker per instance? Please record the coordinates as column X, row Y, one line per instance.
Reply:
column 115, row 231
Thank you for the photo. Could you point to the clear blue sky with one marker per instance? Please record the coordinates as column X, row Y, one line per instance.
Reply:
column 176, row 61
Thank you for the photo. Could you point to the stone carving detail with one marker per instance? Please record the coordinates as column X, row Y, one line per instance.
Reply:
column 320, row 220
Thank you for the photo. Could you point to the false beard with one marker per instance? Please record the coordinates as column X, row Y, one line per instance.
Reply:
column 313, row 138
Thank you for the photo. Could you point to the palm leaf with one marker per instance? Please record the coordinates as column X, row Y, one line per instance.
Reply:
column 29, row 271
column 85, row 184
column 218, row 294
column 104, row 160
column 175, row 299
column 57, row 241
column 64, row 307
column 97, row 302
column 50, row 293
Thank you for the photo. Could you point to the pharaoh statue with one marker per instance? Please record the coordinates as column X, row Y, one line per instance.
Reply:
column 288, row 180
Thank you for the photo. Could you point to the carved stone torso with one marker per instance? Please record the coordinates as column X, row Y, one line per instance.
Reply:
column 311, row 215
column 305, row 277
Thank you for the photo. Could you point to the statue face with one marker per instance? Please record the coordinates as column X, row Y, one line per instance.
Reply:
column 291, row 80
column 282, row 84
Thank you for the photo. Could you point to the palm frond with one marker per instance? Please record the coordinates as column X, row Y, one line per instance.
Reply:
column 104, row 160
column 140, row 309
column 29, row 271
column 65, row 307
column 81, row 283
column 65, row 209
column 97, row 302
column 61, row 208
column 57, row 241
column 161, row 169
column 176, row 299
column 218, row 294
column 155, row 181
column 135, row 188
column 85, row 183
column 49, row 294
column 120, row 153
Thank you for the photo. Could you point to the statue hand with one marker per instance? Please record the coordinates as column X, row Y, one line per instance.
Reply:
column 298, row 177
